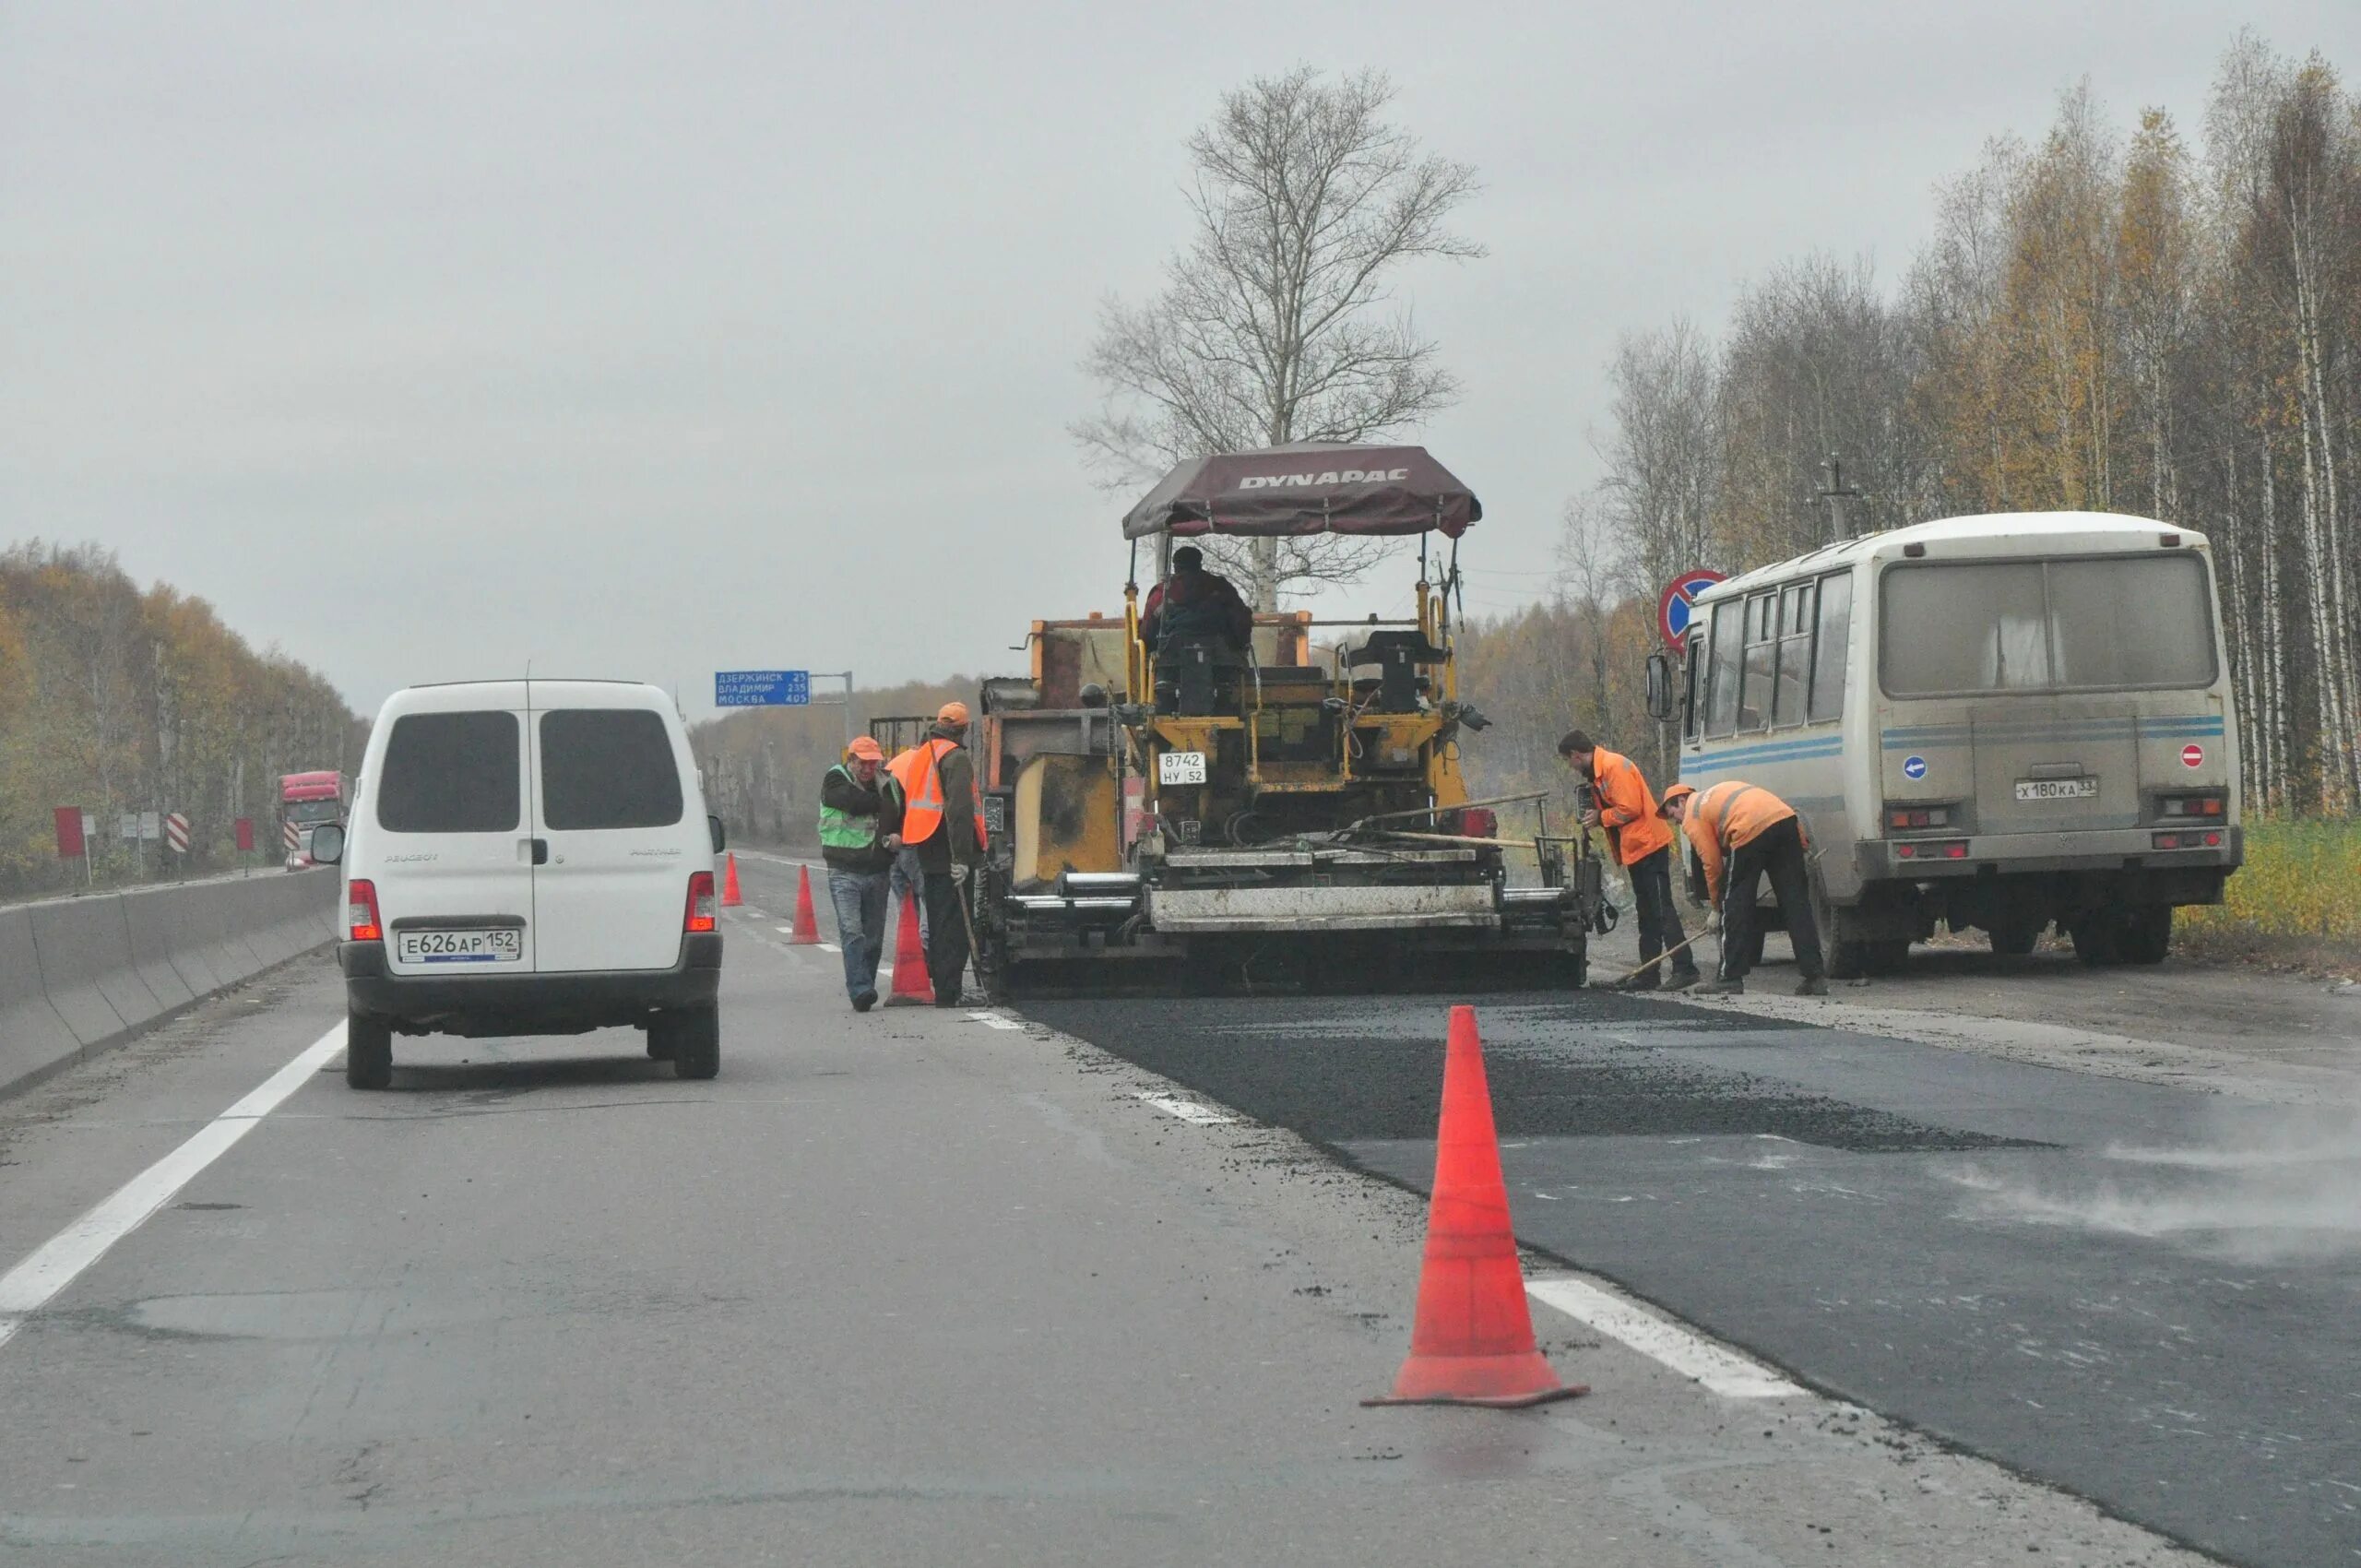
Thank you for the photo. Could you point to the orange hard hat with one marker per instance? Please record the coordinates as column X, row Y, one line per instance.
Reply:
column 867, row 748
column 1673, row 792
column 952, row 712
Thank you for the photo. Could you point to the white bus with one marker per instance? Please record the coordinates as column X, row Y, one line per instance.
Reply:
column 1999, row 722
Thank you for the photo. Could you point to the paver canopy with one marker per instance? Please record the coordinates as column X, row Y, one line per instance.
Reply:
column 1311, row 488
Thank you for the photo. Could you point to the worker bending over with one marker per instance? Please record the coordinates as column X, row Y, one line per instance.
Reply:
column 1745, row 830
column 1621, row 803
column 942, row 819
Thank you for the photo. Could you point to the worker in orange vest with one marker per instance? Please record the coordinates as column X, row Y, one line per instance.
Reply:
column 1749, row 832
column 1621, row 803
column 942, row 820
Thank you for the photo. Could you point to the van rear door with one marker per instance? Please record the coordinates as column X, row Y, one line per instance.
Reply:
column 608, row 801
column 450, row 851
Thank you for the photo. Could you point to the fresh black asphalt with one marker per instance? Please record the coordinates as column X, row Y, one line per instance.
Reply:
column 2129, row 1291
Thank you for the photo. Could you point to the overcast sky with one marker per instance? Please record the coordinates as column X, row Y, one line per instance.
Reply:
column 645, row 340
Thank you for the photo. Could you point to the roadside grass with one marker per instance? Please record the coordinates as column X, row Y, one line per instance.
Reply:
column 2295, row 904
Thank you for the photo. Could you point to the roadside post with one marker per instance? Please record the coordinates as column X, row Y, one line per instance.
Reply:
column 74, row 826
column 246, row 842
column 177, row 839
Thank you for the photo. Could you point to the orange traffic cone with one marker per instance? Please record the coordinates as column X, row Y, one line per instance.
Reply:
column 913, row 986
column 729, row 897
column 807, row 924
column 1471, row 1342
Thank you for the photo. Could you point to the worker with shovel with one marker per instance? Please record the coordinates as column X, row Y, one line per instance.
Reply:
column 1748, row 831
column 942, row 820
column 1621, row 803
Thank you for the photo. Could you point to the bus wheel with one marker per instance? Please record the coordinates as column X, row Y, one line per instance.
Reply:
column 1847, row 957
column 2147, row 935
column 2096, row 940
column 1888, row 957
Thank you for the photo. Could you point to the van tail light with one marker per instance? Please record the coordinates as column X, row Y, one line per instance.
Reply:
column 361, row 911
column 699, row 914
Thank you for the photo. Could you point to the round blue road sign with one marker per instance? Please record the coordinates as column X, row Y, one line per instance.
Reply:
column 1914, row 768
column 1679, row 598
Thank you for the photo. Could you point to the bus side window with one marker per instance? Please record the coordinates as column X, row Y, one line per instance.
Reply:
column 1796, row 618
column 1762, row 642
column 1722, row 670
column 1835, row 635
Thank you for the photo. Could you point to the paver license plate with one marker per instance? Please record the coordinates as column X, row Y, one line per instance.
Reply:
column 1180, row 767
column 500, row 945
column 2057, row 789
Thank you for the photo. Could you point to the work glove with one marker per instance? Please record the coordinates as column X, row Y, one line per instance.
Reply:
column 1714, row 921
column 960, row 874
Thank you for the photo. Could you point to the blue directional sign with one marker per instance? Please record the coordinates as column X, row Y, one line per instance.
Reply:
column 1914, row 768
column 762, row 688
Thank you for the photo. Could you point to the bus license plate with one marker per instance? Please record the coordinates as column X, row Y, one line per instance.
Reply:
column 502, row 944
column 1180, row 767
column 2057, row 789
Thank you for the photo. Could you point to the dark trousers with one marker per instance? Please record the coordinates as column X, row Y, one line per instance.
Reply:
column 946, row 937
column 1659, row 919
column 1779, row 853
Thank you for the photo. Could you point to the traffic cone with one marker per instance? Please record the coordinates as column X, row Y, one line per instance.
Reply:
column 807, row 924
column 1471, row 1342
column 913, row 986
column 729, row 895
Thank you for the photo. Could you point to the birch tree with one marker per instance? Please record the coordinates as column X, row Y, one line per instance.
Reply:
column 1278, row 321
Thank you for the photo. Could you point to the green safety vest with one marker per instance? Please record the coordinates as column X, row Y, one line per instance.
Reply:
column 842, row 830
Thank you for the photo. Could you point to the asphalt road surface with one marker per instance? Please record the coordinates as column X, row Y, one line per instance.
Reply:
column 949, row 1287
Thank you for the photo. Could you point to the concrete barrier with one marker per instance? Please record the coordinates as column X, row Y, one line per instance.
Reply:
column 78, row 975
column 85, row 948
column 32, row 1036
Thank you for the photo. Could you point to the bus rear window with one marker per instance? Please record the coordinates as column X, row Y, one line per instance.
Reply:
column 2085, row 624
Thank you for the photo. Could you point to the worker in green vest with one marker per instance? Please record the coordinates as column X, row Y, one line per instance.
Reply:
column 860, row 828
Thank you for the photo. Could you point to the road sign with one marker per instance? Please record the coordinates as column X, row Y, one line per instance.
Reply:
column 176, row 833
column 1672, row 606
column 762, row 688
column 245, row 834
column 292, row 834
column 1914, row 768
column 69, row 833
column 139, row 827
column 2192, row 756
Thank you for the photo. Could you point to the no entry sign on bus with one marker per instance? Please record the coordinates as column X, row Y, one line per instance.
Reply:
column 1673, row 608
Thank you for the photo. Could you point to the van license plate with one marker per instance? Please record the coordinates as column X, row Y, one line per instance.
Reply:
column 1180, row 767
column 502, row 944
column 2057, row 789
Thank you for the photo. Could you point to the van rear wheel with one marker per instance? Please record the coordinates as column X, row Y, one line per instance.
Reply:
column 696, row 1038
column 368, row 1052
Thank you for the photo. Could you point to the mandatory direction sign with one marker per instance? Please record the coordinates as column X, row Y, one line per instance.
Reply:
column 762, row 688
column 1679, row 595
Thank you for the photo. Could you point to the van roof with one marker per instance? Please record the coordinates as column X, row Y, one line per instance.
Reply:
column 2093, row 529
column 446, row 696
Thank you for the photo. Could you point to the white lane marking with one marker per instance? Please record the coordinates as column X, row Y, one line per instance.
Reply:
column 995, row 1020
column 57, row 1262
column 830, row 948
column 1724, row 1371
column 1187, row 1110
column 784, row 929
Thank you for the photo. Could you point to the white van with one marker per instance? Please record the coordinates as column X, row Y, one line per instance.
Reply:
column 530, row 857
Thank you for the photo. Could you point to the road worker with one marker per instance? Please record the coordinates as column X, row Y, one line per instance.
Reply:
column 1194, row 604
column 942, row 819
column 860, row 828
column 1640, row 841
column 1746, row 831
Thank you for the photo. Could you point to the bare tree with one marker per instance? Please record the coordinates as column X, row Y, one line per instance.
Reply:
column 1273, row 326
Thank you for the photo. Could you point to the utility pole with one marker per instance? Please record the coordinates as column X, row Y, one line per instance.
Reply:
column 1836, row 492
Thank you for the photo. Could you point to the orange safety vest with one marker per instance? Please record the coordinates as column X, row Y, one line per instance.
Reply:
column 920, row 773
column 1722, row 819
column 1626, row 809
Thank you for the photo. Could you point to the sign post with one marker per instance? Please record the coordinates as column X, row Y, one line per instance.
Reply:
column 1673, row 606
column 762, row 688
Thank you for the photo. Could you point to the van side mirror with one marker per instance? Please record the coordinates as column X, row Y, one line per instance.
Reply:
column 720, row 840
column 1660, row 694
column 328, row 844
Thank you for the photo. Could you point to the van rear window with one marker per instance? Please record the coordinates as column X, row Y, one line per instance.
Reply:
column 607, row 768
column 450, row 773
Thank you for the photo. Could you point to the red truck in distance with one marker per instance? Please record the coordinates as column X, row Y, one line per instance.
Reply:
column 305, row 801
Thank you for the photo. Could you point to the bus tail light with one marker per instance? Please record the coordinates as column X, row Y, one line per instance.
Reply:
column 361, row 911
column 698, row 916
column 1951, row 850
column 2199, row 806
column 1907, row 817
column 2209, row 839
